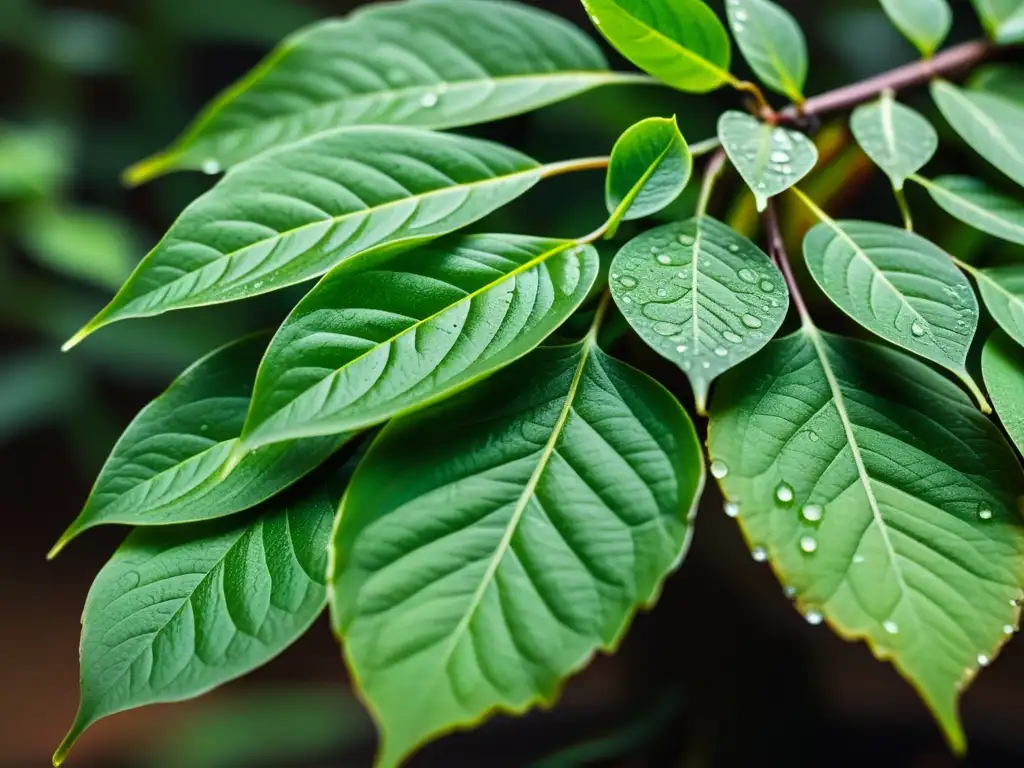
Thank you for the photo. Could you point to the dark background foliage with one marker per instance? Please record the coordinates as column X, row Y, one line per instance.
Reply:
column 723, row 673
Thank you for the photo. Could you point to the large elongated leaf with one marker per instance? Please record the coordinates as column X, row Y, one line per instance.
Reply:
column 883, row 500
column 898, row 139
column 489, row 547
column 974, row 203
column 292, row 214
column 925, row 23
column 180, row 610
column 370, row 342
column 166, row 466
column 680, row 42
column 772, row 42
column 1002, row 289
column 992, row 125
column 1001, row 79
column 429, row 64
column 899, row 286
column 1002, row 363
column 770, row 159
column 701, row 295
column 649, row 168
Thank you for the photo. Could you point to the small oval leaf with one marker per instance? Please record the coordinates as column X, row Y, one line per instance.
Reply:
column 772, row 42
column 974, row 203
column 649, row 168
column 898, row 139
column 292, row 214
column 1002, row 290
column 1002, row 363
column 166, row 467
column 488, row 547
column 392, row 64
column 700, row 295
column 680, row 42
column 182, row 609
column 770, row 159
column 885, row 503
column 925, row 23
column 899, row 286
column 372, row 341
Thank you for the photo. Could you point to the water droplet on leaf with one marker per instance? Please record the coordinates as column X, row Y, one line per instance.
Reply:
column 808, row 545
column 812, row 513
column 784, row 493
column 627, row 282
column 732, row 338
column 759, row 554
column 814, row 618
column 917, row 329
column 891, row 627
column 748, row 275
column 732, row 509
column 719, row 469
column 751, row 322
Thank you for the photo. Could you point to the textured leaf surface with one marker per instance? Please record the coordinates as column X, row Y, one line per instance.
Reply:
column 883, row 500
column 180, row 610
column 680, row 42
column 772, row 42
column 1002, row 363
column 992, row 125
column 166, row 466
column 489, row 547
column 899, row 286
column 1000, row 79
column 1002, row 290
column 427, row 64
column 770, row 160
column 925, row 23
column 650, row 166
column 974, row 203
column 898, row 139
column 700, row 295
column 292, row 214
column 370, row 342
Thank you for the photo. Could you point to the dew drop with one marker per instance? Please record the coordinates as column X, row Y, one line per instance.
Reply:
column 784, row 493
column 721, row 351
column 429, row 100
column 767, row 286
column 686, row 240
column 917, row 329
column 891, row 627
column 664, row 258
column 682, row 348
column 985, row 513
column 662, row 293
column 204, row 428
column 732, row 509
column 812, row 436
column 627, row 282
column 626, row 300
column 808, row 545
column 732, row 338
column 751, row 322
column 814, row 618
column 719, row 469
column 780, row 157
column 663, row 328
column 858, row 559
column 741, row 15
column 734, row 248
column 812, row 513
column 762, row 185
column 705, row 365
column 738, row 28
column 211, row 167
column 789, row 592
column 759, row 554
column 983, row 660
column 1009, row 629
column 748, row 275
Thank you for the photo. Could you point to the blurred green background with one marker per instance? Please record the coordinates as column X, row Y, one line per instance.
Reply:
column 723, row 673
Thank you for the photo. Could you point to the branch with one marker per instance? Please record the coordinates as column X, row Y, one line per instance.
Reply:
column 777, row 250
column 948, row 62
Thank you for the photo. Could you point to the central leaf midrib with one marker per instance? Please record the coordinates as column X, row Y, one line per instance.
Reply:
column 966, row 203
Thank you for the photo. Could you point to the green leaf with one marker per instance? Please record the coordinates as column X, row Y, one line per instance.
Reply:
column 479, row 574
column 995, row 13
column 898, row 139
column 700, row 295
column 900, row 287
column 885, row 503
column 166, row 467
column 974, row 203
column 372, row 341
column 925, row 23
column 999, row 79
column 993, row 126
column 1002, row 290
column 649, row 168
column 772, row 42
column 178, row 611
column 1011, row 31
column 34, row 161
column 770, row 159
column 429, row 64
column 292, row 214
column 680, row 42
column 1002, row 363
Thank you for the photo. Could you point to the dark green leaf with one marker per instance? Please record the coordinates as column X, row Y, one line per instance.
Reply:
column 772, row 42
column 490, row 546
column 292, row 214
column 885, row 503
column 700, row 295
column 680, row 42
column 895, row 137
column 372, row 341
column 974, row 203
column 1002, row 363
column 925, row 23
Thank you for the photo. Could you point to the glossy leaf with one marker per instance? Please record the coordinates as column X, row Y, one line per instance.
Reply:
column 993, row 126
column 899, row 286
column 772, row 42
column 680, row 42
column 898, row 139
column 974, row 203
column 1002, row 363
column 1002, row 290
column 700, row 295
column 999, row 79
column 166, row 466
column 925, row 23
column 487, row 548
column 994, row 14
column 292, row 214
column 770, row 159
column 427, row 64
column 180, row 610
column 885, row 503
column 372, row 341
column 649, row 168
